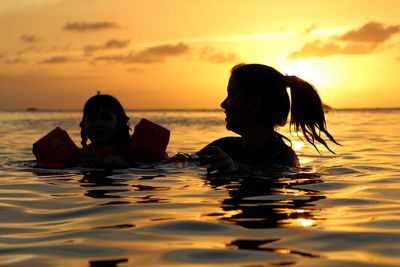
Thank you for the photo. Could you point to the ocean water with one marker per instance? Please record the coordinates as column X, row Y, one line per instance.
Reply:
column 339, row 210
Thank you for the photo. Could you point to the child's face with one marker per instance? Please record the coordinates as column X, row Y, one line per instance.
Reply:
column 101, row 126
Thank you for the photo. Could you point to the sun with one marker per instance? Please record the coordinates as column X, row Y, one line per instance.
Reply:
column 307, row 70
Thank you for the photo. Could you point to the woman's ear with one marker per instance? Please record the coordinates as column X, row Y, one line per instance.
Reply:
column 256, row 106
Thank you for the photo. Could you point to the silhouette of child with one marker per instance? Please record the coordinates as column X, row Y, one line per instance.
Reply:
column 256, row 104
column 105, row 124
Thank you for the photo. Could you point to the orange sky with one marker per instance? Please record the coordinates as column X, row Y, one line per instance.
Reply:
column 178, row 53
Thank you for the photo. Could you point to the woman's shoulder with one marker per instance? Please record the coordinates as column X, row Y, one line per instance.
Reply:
column 286, row 156
column 226, row 142
column 230, row 145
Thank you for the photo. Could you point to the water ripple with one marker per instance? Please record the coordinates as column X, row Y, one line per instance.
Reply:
column 338, row 210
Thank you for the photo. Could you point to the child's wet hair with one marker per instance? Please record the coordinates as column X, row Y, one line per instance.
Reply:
column 112, row 105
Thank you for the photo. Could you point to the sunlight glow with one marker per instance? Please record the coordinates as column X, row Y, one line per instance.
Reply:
column 305, row 222
column 335, row 31
column 300, row 222
column 297, row 145
column 243, row 38
column 306, row 70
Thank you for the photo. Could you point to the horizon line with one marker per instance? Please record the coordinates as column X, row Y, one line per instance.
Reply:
column 175, row 109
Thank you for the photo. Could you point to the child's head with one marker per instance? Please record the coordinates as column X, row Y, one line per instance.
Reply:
column 104, row 122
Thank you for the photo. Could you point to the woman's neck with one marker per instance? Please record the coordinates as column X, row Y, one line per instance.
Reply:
column 256, row 137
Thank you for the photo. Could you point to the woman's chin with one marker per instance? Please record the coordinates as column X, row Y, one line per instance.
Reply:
column 229, row 126
column 233, row 128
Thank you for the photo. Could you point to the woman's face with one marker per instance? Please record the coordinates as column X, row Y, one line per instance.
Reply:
column 239, row 113
column 101, row 126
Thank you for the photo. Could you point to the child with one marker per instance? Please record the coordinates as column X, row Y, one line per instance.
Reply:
column 257, row 103
column 105, row 124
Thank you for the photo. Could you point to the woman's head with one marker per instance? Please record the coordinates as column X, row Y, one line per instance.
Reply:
column 263, row 89
column 104, row 122
column 258, row 94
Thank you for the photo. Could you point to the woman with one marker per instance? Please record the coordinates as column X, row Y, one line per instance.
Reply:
column 257, row 103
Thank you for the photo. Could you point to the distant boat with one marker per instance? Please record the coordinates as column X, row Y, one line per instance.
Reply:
column 326, row 108
column 32, row 109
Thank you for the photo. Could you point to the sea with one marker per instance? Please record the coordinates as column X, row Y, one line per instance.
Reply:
column 339, row 209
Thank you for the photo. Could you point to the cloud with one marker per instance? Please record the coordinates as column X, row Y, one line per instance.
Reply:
column 135, row 69
column 110, row 44
column 29, row 38
column 363, row 40
column 155, row 54
column 30, row 49
column 88, row 27
column 125, row 59
column 60, row 48
column 372, row 32
column 310, row 29
column 159, row 53
column 319, row 49
column 16, row 60
column 209, row 54
column 223, row 58
column 56, row 60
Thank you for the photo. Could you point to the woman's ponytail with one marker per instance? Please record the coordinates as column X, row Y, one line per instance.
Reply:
column 307, row 114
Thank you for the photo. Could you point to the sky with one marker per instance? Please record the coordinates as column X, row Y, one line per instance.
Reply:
column 177, row 54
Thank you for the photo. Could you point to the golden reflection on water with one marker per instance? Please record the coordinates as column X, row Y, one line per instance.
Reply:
column 343, row 210
column 282, row 250
column 264, row 203
column 297, row 145
column 304, row 222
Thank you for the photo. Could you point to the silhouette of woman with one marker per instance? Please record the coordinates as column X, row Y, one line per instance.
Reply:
column 256, row 104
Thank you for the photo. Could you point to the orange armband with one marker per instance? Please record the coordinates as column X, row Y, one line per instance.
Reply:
column 54, row 149
column 150, row 141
